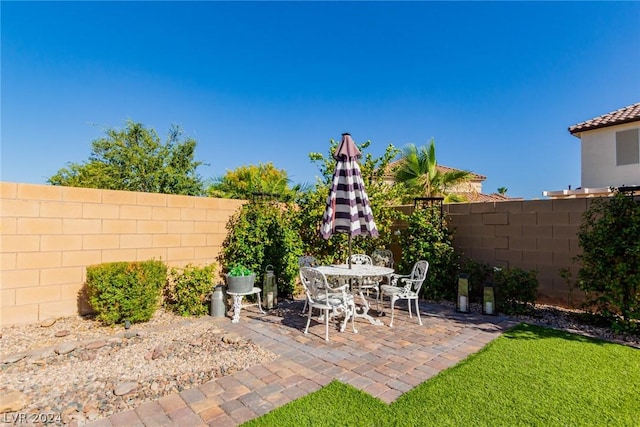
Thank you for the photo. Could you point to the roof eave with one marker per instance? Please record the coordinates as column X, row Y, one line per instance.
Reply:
column 577, row 132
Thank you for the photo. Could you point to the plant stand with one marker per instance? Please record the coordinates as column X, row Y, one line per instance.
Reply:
column 237, row 302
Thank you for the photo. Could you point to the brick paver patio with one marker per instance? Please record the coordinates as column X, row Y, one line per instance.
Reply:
column 384, row 362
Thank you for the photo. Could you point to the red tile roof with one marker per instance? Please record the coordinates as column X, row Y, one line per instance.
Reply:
column 623, row 115
column 441, row 168
column 493, row 197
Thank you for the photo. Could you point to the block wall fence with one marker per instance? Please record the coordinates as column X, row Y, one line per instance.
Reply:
column 539, row 235
column 50, row 234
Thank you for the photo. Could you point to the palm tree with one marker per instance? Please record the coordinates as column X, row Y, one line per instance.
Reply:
column 502, row 191
column 418, row 172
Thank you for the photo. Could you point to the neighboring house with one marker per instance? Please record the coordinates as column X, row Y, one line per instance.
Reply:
column 471, row 190
column 610, row 153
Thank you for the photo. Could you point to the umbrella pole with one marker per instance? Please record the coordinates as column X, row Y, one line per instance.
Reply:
column 349, row 252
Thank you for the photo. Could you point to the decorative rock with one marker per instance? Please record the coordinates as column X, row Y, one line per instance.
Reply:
column 130, row 334
column 47, row 323
column 231, row 338
column 157, row 352
column 12, row 401
column 65, row 347
column 62, row 333
column 125, row 388
column 13, row 358
column 93, row 345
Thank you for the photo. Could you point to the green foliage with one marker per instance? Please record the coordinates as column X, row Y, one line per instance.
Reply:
column 247, row 181
column 135, row 159
column 610, row 272
column 428, row 238
column 382, row 196
column 263, row 233
column 189, row 290
column 125, row 290
column 240, row 270
column 418, row 172
column 515, row 290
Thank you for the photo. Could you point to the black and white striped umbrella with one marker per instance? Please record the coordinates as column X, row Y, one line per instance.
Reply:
column 348, row 209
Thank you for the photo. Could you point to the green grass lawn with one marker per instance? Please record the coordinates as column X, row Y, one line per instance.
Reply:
column 530, row 376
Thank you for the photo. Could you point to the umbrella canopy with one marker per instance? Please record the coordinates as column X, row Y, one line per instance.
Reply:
column 348, row 209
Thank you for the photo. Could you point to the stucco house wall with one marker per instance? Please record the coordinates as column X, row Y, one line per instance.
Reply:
column 598, row 159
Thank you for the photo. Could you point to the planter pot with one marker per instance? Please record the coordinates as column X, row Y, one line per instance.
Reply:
column 240, row 284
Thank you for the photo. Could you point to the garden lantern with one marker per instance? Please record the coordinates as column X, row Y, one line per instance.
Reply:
column 462, row 305
column 488, row 300
column 269, row 288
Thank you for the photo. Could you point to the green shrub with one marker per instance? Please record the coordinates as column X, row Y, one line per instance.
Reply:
column 515, row 290
column 125, row 290
column 428, row 238
column 609, row 237
column 188, row 290
column 262, row 233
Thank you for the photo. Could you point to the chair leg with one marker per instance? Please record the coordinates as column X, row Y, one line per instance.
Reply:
column 393, row 303
column 326, row 325
column 305, row 307
column 418, row 312
column 409, row 305
column 353, row 318
column 306, row 331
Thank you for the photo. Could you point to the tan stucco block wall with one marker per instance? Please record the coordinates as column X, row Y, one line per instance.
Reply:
column 539, row 235
column 50, row 234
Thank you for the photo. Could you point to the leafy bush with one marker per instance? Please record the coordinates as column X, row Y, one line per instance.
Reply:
column 263, row 233
column 428, row 238
column 125, row 290
column 515, row 290
column 189, row 289
column 610, row 273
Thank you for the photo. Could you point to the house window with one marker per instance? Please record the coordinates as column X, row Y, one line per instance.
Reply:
column 627, row 147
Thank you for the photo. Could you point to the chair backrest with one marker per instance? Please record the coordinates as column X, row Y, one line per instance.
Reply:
column 382, row 257
column 314, row 282
column 307, row 261
column 360, row 259
column 419, row 274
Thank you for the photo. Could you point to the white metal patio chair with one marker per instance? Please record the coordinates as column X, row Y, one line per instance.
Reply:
column 330, row 301
column 406, row 287
column 383, row 258
column 306, row 261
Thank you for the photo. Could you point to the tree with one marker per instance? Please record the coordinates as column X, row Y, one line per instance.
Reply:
column 610, row 273
column 247, row 181
column 135, row 159
column 502, row 190
column 417, row 171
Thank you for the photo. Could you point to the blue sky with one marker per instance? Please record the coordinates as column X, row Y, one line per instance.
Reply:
column 496, row 84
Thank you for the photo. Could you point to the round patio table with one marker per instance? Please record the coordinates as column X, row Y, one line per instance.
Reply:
column 357, row 271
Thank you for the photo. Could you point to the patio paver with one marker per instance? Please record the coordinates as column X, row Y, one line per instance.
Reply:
column 385, row 362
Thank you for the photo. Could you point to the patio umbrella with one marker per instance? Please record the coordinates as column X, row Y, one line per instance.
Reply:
column 348, row 209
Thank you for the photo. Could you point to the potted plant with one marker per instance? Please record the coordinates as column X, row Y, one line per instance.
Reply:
column 240, row 279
